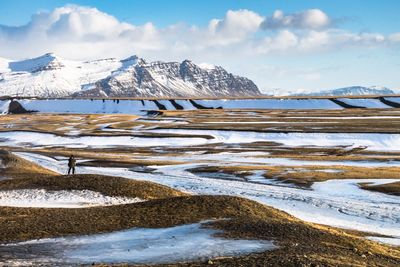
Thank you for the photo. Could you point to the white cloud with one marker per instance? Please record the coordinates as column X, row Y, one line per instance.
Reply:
column 283, row 41
column 235, row 26
column 317, row 41
column 395, row 37
column 309, row 19
column 242, row 41
column 77, row 32
column 82, row 32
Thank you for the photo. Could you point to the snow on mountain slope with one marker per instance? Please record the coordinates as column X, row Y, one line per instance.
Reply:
column 45, row 62
column 353, row 90
column 171, row 79
column 52, row 76
column 4, row 66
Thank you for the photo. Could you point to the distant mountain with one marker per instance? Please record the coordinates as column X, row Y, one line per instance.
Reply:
column 52, row 76
column 350, row 91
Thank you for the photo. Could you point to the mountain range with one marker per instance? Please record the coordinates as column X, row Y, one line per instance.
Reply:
column 52, row 76
column 350, row 91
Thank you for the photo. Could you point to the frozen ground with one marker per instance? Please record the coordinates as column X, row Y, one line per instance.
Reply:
column 59, row 199
column 376, row 142
column 338, row 203
column 45, row 139
column 135, row 246
column 87, row 106
column 386, row 142
column 256, row 158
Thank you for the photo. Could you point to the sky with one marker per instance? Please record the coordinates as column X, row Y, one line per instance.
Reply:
column 282, row 45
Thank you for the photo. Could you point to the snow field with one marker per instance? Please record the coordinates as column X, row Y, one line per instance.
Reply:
column 87, row 106
column 356, row 209
column 375, row 142
column 368, row 103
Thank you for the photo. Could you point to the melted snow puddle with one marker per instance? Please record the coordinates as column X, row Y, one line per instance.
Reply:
column 135, row 246
column 41, row 198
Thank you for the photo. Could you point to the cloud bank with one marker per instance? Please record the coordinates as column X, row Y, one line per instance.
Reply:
column 309, row 19
column 243, row 41
column 79, row 32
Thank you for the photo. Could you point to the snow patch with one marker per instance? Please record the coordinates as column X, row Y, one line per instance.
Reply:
column 207, row 66
column 59, row 198
column 4, row 104
column 385, row 240
column 42, row 139
column 135, row 246
column 367, row 103
column 373, row 141
column 357, row 209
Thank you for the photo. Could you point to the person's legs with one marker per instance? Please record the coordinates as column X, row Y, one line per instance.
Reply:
column 69, row 170
column 73, row 170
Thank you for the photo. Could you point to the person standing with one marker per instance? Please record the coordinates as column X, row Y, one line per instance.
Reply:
column 71, row 165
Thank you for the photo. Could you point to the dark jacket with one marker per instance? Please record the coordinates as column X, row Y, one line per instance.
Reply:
column 71, row 162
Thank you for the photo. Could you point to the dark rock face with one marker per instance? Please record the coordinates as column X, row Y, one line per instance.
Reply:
column 171, row 79
column 16, row 108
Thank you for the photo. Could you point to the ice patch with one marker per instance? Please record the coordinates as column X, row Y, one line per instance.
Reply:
column 135, row 246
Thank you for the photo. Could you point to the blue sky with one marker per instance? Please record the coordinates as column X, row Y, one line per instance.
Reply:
column 345, row 43
column 370, row 15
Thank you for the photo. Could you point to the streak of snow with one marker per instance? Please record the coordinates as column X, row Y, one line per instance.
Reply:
column 41, row 139
column 385, row 240
column 373, row 141
column 59, row 198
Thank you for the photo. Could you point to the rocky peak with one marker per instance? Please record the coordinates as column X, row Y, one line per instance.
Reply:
column 133, row 60
column 45, row 62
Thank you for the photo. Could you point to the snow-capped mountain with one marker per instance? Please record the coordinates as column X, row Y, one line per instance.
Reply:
column 353, row 90
column 52, row 76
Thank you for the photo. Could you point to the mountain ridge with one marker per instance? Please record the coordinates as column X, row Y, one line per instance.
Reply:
column 350, row 91
column 52, row 76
